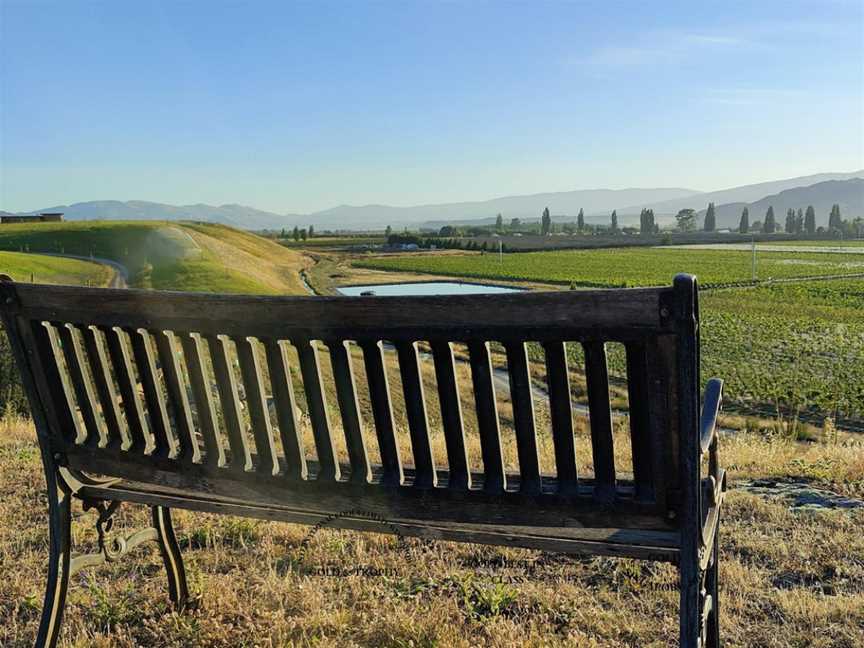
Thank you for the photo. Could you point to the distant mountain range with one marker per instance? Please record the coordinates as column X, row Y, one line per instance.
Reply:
column 597, row 204
column 849, row 194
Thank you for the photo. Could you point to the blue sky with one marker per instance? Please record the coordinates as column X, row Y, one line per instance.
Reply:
column 295, row 107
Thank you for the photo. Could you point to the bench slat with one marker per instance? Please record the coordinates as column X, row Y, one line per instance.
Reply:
column 451, row 416
column 178, row 399
column 561, row 412
column 415, row 410
column 259, row 416
column 352, row 424
column 142, row 350
column 597, row 379
column 382, row 411
column 97, row 358
column 286, row 406
column 487, row 417
column 640, row 421
column 307, row 351
column 121, row 361
column 229, row 399
column 214, row 453
column 82, row 388
column 523, row 417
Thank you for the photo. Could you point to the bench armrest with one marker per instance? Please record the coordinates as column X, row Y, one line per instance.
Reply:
column 710, row 408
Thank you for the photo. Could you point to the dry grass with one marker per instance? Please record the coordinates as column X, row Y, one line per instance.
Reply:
column 788, row 579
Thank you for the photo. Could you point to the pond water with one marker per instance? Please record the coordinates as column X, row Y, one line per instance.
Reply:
column 425, row 288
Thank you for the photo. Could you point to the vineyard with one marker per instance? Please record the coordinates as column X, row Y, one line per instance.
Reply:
column 794, row 347
column 618, row 267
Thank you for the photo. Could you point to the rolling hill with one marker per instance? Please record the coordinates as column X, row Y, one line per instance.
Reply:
column 171, row 256
column 39, row 268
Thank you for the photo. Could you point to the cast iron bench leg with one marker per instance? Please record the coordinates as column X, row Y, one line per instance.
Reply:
column 171, row 556
column 59, row 528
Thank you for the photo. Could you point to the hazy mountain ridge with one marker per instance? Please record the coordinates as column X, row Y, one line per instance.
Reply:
column 596, row 203
column 743, row 194
column 849, row 194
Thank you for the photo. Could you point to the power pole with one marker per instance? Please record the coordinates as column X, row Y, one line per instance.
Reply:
column 753, row 268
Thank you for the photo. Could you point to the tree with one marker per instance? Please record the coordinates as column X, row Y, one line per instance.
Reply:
column 799, row 221
column 770, row 225
column 614, row 221
column 710, row 218
column 646, row 221
column 283, row 234
column 790, row 221
column 545, row 223
column 499, row 223
column 303, row 234
column 686, row 220
column 580, row 220
column 835, row 221
column 296, row 234
column 744, row 224
column 810, row 220
column 311, row 231
column 515, row 223
column 388, row 231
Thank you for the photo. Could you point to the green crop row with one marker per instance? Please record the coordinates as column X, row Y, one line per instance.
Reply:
column 625, row 267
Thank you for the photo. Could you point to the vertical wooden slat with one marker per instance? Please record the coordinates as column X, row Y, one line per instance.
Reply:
column 67, row 391
column 229, row 398
column 640, row 422
column 523, row 417
column 382, row 412
column 142, row 349
column 46, row 374
column 487, row 417
column 256, row 400
column 283, row 397
column 561, row 414
column 116, row 431
column 451, row 415
column 81, row 387
column 352, row 425
column 132, row 408
column 415, row 410
column 172, row 371
column 214, row 453
column 328, row 465
column 597, row 379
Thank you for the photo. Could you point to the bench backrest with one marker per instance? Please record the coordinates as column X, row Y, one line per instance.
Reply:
column 139, row 385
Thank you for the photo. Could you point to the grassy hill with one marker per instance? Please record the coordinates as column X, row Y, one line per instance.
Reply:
column 170, row 255
column 55, row 270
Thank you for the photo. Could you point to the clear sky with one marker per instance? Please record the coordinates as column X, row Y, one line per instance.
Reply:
column 295, row 107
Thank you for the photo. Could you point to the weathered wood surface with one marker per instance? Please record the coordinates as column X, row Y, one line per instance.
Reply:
column 219, row 419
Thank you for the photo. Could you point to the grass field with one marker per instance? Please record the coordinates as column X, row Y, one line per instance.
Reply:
column 623, row 266
column 54, row 270
column 788, row 578
column 171, row 256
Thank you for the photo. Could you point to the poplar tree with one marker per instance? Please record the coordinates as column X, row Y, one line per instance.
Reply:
column 710, row 218
column 744, row 224
column 810, row 220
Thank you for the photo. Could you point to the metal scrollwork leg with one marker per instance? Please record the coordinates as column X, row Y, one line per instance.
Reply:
column 178, row 591
column 59, row 562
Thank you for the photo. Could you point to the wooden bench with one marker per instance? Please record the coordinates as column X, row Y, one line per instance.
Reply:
column 140, row 389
